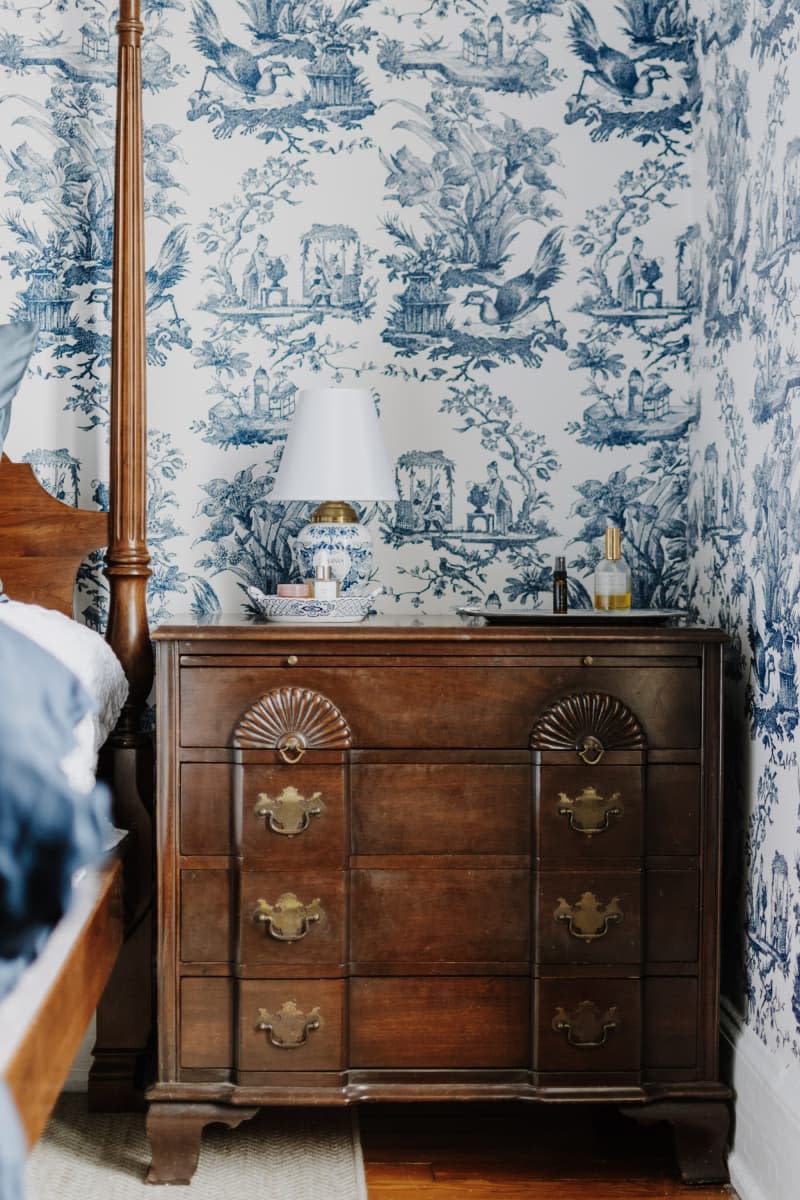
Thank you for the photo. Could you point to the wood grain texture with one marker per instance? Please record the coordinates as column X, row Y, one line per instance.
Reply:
column 515, row 1152
column 54, row 1001
column 441, row 962
column 42, row 541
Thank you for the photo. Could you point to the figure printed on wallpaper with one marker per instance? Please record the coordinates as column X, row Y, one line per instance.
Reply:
column 727, row 292
column 491, row 497
column 263, row 275
column 425, row 490
column 630, row 277
column 526, row 292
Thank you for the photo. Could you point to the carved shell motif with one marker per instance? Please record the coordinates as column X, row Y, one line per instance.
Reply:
column 292, row 715
column 588, row 717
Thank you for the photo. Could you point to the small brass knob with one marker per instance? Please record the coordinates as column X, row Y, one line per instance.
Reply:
column 587, row 660
column 291, row 661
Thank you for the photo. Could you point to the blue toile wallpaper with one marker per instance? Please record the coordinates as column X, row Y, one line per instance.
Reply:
column 478, row 210
column 542, row 232
column 744, row 484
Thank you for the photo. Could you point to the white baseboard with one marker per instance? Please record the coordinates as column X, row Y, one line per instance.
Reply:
column 765, row 1159
column 78, row 1078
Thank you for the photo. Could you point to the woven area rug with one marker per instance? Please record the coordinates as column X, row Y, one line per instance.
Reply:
column 282, row 1154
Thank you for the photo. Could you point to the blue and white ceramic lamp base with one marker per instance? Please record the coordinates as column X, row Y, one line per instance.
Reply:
column 349, row 548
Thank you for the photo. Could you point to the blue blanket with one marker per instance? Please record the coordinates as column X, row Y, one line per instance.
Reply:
column 47, row 830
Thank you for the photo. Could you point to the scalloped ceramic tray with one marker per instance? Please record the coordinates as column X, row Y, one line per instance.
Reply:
column 578, row 616
column 291, row 610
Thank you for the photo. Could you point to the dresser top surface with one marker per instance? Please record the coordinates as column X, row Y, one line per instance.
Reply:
column 239, row 627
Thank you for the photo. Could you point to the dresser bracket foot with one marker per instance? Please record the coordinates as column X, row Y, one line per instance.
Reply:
column 701, row 1130
column 175, row 1130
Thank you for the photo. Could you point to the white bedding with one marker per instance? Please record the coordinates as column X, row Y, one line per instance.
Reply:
column 88, row 656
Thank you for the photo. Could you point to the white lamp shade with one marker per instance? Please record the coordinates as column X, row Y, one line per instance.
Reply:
column 334, row 449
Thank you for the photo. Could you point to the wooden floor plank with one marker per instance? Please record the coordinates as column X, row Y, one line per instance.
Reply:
column 518, row 1152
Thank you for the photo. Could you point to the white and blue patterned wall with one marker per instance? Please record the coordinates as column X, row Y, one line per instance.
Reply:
column 491, row 215
column 480, row 211
column 744, row 494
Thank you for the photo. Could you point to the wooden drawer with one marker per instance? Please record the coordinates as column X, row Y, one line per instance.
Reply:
column 669, row 1015
column 477, row 703
column 206, row 1032
column 205, row 808
column 291, row 1025
column 591, row 1025
column 305, row 824
column 672, row 915
column 206, row 925
column 438, row 1023
column 440, row 808
column 439, row 916
column 588, row 813
column 588, row 916
column 672, row 825
column 291, row 918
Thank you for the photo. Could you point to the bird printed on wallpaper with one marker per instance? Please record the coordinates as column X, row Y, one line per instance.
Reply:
column 169, row 268
column 616, row 71
column 526, row 292
column 234, row 64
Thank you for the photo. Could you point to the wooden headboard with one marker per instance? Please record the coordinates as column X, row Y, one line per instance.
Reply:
column 42, row 543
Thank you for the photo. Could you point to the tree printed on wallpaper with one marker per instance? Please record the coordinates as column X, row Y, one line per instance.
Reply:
column 768, row 947
column 745, row 490
column 251, row 291
column 500, row 523
column 468, row 199
column 61, row 175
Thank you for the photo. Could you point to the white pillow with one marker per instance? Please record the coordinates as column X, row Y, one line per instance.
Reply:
column 87, row 655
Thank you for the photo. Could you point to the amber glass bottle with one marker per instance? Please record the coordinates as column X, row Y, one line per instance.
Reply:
column 612, row 575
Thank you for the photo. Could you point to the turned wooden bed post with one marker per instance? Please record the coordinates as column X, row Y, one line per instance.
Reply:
column 124, row 1015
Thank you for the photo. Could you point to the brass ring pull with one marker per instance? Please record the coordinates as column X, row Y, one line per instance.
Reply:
column 292, row 750
column 586, row 1027
column 589, row 813
column 289, row 813
column 288, row 919
column 588, row 920
column 288, row 1028
column 591, row 750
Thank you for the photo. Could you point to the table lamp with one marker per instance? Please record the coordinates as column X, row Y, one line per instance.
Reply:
column 334, row 449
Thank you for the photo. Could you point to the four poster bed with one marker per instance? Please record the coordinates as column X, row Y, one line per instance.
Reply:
column 99, row 952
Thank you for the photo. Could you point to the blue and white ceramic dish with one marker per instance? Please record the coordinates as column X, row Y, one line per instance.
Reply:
column 291, row 610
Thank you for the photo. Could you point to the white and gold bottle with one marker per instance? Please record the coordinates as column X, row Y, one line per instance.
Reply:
column 612, row 576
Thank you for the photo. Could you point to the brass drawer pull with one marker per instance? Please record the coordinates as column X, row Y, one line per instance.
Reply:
column 288, row 919
column 588, row 920
column 289, row 1028
column 291, row 660
column 289, row 813
column 591, row 750
column 589, row 813
column 291, row 750
column 586, row 1027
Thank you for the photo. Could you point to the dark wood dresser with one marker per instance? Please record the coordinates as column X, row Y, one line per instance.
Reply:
column 421, row 859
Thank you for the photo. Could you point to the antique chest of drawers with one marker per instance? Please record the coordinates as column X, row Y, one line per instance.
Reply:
column 421, row 859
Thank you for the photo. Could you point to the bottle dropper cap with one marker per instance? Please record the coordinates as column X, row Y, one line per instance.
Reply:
column 613, row 543
column 322, row 566
column 561, row 563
